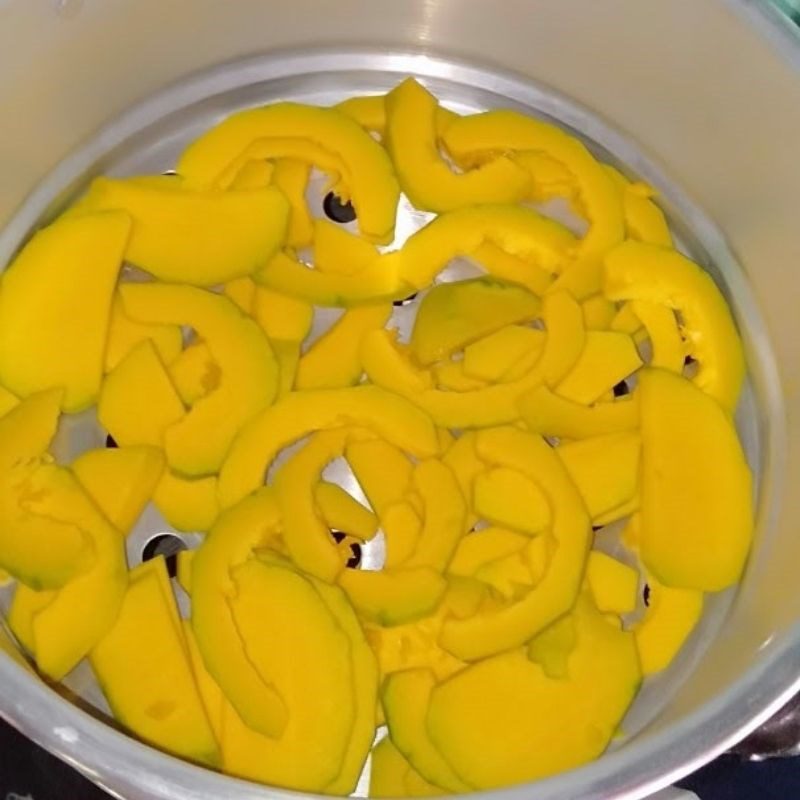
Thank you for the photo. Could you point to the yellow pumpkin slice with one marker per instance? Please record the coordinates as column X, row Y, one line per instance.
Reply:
column 334, row 360
column 197, row 237
column 452, row 315
column 120, row 480
column 444, row 515
column 425, row 177
column 300, row 413
column 670, row 616
column 475, row 138
column 605, row 469
column 607, row 358
column 644, row 220
column 196, row 445
column 379, row 281
column 365, row 168
column 637, row 271
column 545, row 412
column 614, row 585
column 188, row 504
column 342, row 512
column 291, row 177
column 541, row 243
column 307, row 656
column 393, row 596
column 85, row 608
column 669, row 349
column 237, row 533
column 57, row 338
column 142, row 665
column 210, row 693
column 124, row 334
column 392, row 776
column 484, row 546
column 507, row 498
column 402, row 528
column 696, row 486
column 508, row 736
column 406, row 696
column 138, row 401
column 365, row 688
column 305, row 533
column 337, row 251
column 493, row 631
column 382, row 470
column 194, row 373
column 491, row 357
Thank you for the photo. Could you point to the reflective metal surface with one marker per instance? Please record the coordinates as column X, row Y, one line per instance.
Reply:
column 148, row 138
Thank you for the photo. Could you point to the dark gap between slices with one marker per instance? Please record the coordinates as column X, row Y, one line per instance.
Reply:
column 336, row 210
column 167, row 545
column 355, row 548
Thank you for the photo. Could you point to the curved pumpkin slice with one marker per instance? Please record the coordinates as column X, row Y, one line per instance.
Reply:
column 197, row 237
column 291, row 177
column 382, row 470
column 444, row 515
column 497, row 404
column 475, row 138
column 484, row 546
column 669, row 350
column 493, row 631
column 541, row 243
column 333, row 361
column 636, row 271
column 342, row 512
column 77, row 259
column 197, row 444
column 306, row 654
column 369, row 175
column 188, row 504
column 644, row 220
column 392, row 776
column 696, row 486
column 369, row 111
column 509, row 736
column 305, row 533
column 378, row 281
column 300, row 413
column 336, row 250
column 425, row 177
column 452, row 315
column 365, row 683
column 251, row 524
column 393, row 596
column 406, row 696
column 545, row 412
column 388, row 367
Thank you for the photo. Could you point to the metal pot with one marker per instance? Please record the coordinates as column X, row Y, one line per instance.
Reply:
column 703, row 101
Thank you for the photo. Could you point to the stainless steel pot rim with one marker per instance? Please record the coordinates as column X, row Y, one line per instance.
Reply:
column 643, row 766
